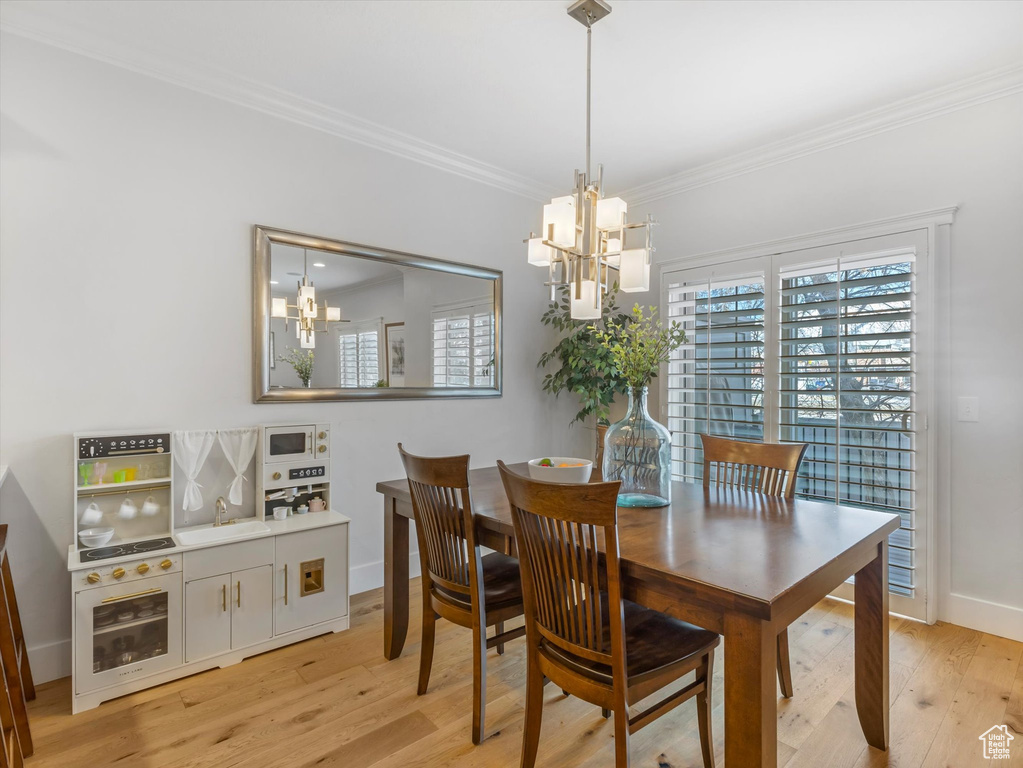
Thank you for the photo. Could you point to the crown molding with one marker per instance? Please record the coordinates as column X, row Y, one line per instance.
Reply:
column 273, row 101
column 960, row 95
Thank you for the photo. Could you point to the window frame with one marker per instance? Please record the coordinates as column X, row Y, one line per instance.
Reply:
column 932, row 229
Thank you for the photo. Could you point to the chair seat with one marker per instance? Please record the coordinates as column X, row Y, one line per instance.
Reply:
column 654, row 641
column 501, row 583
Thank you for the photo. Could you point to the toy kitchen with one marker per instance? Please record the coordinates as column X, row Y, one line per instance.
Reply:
column 197, row 549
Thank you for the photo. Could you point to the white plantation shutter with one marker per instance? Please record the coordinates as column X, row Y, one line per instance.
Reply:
column 846, row 388
column 359, row 355
column 463, row 346
column 820, row 347
column 716, row 380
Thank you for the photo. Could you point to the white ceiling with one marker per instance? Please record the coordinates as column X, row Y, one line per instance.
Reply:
column 498, row 85
column 288, row 263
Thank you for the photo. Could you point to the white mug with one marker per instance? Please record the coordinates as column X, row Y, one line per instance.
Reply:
column 280, row 513
column 128, row 510
column 91, row 515
column 150, row 507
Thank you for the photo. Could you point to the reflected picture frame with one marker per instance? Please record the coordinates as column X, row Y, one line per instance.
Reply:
column 262, row 354
column 394, row 354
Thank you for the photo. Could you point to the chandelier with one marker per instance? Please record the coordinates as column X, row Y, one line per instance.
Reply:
column 307, row 313
column 584, row 234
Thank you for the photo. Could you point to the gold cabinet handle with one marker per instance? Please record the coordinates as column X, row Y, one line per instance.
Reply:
column 223, row 596
column 239, row 594
column 285, row 583
column 133, row 594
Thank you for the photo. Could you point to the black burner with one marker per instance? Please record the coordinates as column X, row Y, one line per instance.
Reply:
column 134, row 548
column 99, row 553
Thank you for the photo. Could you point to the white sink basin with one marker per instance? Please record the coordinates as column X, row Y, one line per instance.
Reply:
column 210, row 533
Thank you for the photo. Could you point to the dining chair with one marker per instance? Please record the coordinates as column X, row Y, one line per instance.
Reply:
column 580, row 633
column 459, row 583
column 768, row 468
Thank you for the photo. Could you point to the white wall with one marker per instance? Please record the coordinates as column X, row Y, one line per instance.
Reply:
column 127, row 209
column 972, row 158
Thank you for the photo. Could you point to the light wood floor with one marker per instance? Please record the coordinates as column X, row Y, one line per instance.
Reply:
column 334, row 700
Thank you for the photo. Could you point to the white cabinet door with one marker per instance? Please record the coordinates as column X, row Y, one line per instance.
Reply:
column 312, row 578
column 207, row 617
column 251, row 606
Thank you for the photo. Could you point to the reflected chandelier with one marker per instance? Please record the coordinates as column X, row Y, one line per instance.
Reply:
column 584, row 234
column 307, row 313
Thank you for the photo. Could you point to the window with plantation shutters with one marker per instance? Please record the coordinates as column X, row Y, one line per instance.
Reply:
column 463, row 346
column 846, row 388
column 716, row 380
column 359, row 356
column 819, row 346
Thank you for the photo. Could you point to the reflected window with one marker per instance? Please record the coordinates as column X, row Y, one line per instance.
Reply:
column 463, row 345
column 359, row 355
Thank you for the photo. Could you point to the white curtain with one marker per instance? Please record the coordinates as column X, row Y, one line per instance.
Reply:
column 190, row 452
column 239, row 445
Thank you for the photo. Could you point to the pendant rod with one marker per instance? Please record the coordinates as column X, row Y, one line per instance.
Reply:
column 589, row 46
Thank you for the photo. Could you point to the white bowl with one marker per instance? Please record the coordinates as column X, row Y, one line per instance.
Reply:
column 95, row 537
column 573, row 474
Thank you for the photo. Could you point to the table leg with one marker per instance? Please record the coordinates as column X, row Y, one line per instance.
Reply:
column 871, row 593
column 395, row 580
column 751, row 694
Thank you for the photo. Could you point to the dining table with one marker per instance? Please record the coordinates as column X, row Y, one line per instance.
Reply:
column 739, row 563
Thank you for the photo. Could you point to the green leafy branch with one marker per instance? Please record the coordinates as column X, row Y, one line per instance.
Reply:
column 579, row 363
column 302, row 362
column 639, row 347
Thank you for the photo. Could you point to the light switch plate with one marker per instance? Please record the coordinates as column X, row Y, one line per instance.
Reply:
column 969, row 409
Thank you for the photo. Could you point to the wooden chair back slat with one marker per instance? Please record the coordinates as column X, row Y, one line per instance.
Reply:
column 558, row 529
column 442, row 509
column 768, row 468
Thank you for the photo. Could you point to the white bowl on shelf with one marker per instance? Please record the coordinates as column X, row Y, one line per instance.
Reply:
column 95, row 537
column 577, row 471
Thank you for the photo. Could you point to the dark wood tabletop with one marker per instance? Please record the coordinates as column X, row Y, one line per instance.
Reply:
column 747, row 548
column 735, row 562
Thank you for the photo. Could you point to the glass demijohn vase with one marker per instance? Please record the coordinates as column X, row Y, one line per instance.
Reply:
column 637, row 451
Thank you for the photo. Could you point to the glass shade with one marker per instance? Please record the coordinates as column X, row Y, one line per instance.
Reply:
column 306, row 339
column 561, row 213
column 333, row 314
column 307, row 301
column 634, row 271
column 538, row 254
column 587, row 306
column 278, row 307
column 611, row 212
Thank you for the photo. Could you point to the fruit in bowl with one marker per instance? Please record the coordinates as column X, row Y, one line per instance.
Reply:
column 561, row 469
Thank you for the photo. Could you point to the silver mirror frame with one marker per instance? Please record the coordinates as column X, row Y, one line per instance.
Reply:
column 264, row 237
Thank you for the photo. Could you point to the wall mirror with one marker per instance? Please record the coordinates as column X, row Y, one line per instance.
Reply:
column 341, row 321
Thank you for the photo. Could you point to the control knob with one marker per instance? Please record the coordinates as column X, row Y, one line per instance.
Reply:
column 276, row 475
column 118, row 573
column 322, row 448
column 143, row 568
column 322, row 435
column 166, row 564
column 92, row 578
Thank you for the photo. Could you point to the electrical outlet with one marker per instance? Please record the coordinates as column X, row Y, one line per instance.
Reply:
column 969, row 409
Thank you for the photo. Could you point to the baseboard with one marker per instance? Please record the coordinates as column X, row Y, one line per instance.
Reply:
column 984, row 616
column 50, row 662
column 363, row 578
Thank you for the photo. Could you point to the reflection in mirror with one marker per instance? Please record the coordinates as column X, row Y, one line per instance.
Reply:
column 359, row 324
